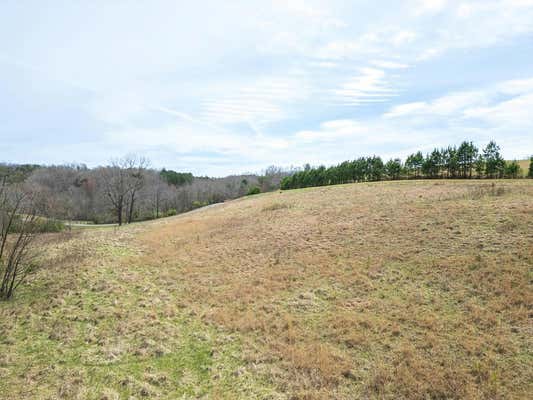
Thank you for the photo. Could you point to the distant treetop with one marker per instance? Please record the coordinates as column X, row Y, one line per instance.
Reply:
column 176, row 178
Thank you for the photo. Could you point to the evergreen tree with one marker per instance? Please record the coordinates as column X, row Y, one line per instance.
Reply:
column 176, row 178
column 530, row 172
column 377, row 168
column 494, row 162
column 452, row 162
column 512, row 170
column 431, row 165
column 414, row 163
column 393, row 168
column 479, row 166
column 466, row 155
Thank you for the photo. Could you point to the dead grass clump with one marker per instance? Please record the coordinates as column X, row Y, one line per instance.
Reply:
column 321, row 363
column 411, row 375
column 72, row 386
column 109, row 394
column 155, row 379
column 474, row 190
column 480, row 191
column 276, row 206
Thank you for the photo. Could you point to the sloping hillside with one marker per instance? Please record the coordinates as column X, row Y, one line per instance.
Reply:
column 410, row 290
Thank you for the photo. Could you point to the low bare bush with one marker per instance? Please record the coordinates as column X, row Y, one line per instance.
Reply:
column 19, row 225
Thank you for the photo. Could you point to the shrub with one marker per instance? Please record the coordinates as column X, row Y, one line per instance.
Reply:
column 170, row 212
column 198, row 204
column 38, row 225
column 147, row 216
column 50, row 225
column 253, row 190
column 18, row 220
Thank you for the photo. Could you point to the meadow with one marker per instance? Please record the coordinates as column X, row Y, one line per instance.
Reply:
column 385, row 290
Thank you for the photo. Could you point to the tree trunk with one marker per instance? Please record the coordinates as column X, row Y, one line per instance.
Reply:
column 119, row 211
column 130, row 213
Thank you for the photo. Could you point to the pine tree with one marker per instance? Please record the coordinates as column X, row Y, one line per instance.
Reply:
column 479, row 166
column 494, row 162
column 393, row 168
column 466, row 155
column 512, row 170
column 431, row 165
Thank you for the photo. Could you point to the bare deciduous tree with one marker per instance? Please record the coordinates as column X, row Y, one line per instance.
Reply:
column 18, row 228
column 128, row 190
column 136, row 166
column 121, row 182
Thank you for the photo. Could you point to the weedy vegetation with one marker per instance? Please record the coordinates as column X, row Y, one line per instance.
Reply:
column 276, row 206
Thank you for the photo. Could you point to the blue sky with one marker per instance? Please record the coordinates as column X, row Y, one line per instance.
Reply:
column 226, row 87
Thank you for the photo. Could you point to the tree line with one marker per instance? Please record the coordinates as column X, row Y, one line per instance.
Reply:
column 128, row 189
column 463, row 161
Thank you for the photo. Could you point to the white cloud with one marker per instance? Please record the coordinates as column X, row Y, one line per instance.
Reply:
column 182, row 137
column 499, row 111
column 454, row 24
column 450, row 105
column 369, row 86
column 486, row 104
column 330, row 131
column 515, row 113
column 340, row 49
column 429, row 6
column 516, row 86
column 257, row 103
column 406, row 109
column 389, row 64
column 403, row 37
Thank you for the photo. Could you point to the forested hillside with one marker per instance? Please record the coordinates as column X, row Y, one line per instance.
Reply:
column 129, row 190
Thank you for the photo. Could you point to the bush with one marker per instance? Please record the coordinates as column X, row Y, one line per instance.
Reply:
column 170, row 212
column 144, row 217
column 40, row 225
column 18, row 218
column 50, row 225
column 253, row 190
column 103, row 218
column 198, row 204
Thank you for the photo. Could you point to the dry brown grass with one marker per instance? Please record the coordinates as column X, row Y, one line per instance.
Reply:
column 414, row 290
column 410, row 290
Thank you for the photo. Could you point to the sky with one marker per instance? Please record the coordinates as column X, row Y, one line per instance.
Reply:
column 226, row 87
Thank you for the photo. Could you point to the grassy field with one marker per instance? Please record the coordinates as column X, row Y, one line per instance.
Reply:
column 392, row 290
